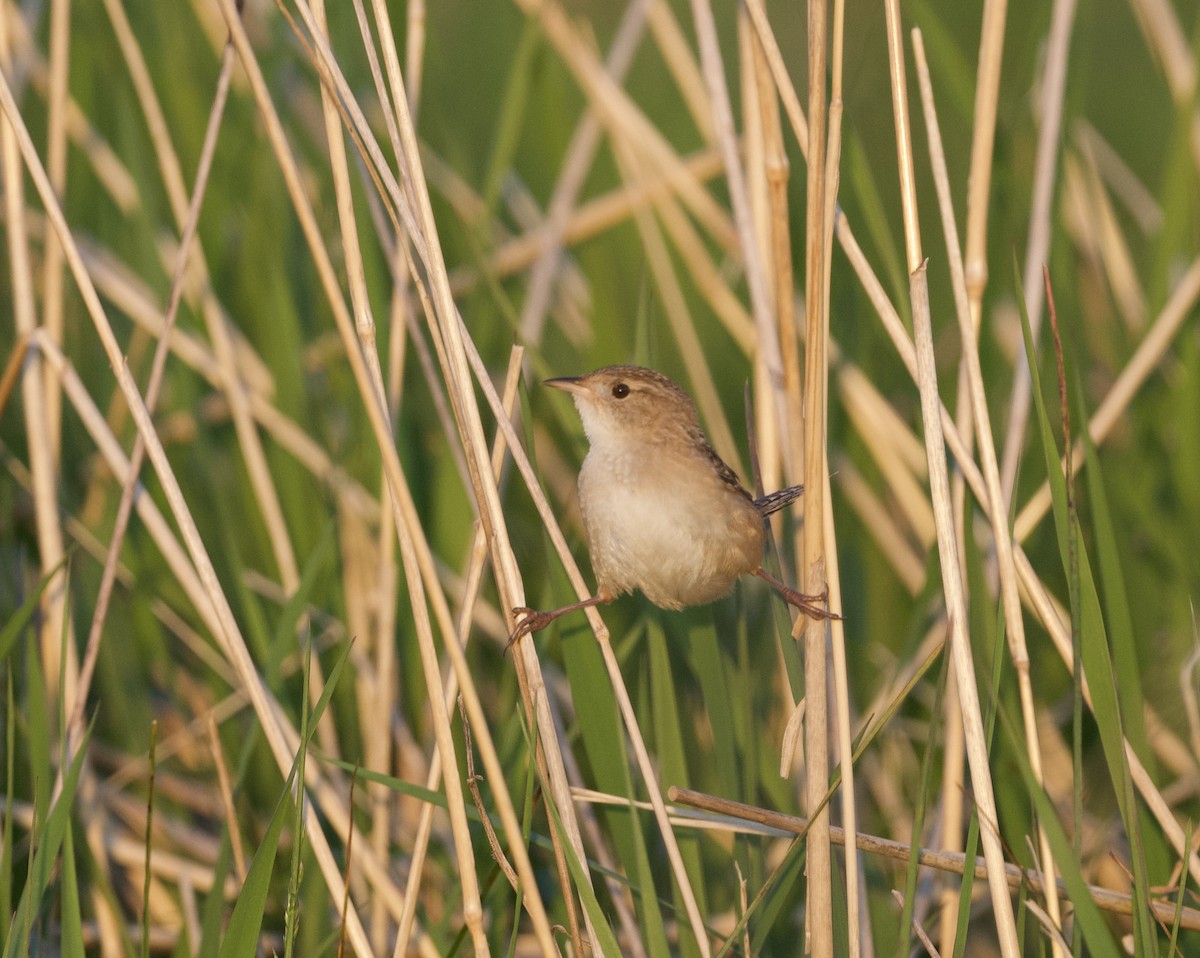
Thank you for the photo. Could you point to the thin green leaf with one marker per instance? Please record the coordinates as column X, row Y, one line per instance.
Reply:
column 71, row 942
column 50, row 837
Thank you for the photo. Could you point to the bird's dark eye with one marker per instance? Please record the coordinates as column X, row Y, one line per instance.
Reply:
column 620, row 391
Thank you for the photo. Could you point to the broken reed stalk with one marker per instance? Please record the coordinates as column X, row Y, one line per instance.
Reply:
column 953, row 862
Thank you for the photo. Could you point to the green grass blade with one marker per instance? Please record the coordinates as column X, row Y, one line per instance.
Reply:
column 904, row 932
column 241, row 936
column 712, row 672
column 293, row 892
column 20, row 619
column 10, row 762
column 667, row 711
column 147, row 875
column 603, row 737
column 213, row 911
column 50, row 836
column 583, row 888
column 1088, row 918
column 1093, row 645
column 70, row 916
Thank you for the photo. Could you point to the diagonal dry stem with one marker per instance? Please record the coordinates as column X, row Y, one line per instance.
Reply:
column 280, row 735
column 998, row 509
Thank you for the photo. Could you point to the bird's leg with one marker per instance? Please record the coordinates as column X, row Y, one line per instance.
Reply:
column 810, row 605
column 531, row 620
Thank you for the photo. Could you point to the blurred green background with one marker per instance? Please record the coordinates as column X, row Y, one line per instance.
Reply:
column 497, row 110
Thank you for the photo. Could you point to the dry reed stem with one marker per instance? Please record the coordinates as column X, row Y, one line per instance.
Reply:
column 677, row 55
column 779, row 73
column 904, row 150
column 621, row 114
column 1145, row 360
column 819, row 915
column 675, row 307
column 472, row 912
column 56, row 638
column 393, row 82
column 279, row 733
column 177, row 194
column 459, row 354
column 383, row 622
column 997, row 501
column 1102, row 227
column 956, row 611
column 537, row 692
column 893, row 544
column 777, row 172
column 713, row 71
column 377, row 727
column 414, row 52
column 459, row 637
column 588, row 220
column 983, row 138
column 110, row 170
column 467, row 417
column 576, row 163
column 56, row 170
column 1166, row 38
column 713, row 812
column 879, row 427
column 1185, row 293
column 225, row 789
column 75, row 727
column 1037, row 250
column 856, row 917
column 396, row 88
column 775, row 444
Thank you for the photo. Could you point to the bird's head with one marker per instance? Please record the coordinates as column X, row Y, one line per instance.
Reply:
column 620, row 405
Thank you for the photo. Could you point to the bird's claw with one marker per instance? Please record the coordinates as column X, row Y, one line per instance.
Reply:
column 528, row 621
column 814, row 606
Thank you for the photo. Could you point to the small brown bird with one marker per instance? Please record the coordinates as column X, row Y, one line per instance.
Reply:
column 661, row 511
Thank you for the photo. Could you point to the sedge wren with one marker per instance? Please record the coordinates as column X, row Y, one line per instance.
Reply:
column 662, row 513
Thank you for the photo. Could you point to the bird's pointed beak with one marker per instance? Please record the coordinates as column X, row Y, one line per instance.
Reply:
column 570, row 384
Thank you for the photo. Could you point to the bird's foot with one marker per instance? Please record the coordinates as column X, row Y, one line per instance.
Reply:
column 814, row 606
column 528, row 621
column 531, row 620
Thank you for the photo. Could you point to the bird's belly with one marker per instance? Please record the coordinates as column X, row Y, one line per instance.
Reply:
column 661, row 542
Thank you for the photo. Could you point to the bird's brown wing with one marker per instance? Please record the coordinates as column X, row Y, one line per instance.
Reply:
column 727, row 475
column 766, row 505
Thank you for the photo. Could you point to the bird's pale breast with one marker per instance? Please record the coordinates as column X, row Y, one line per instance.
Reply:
column 666, row 524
